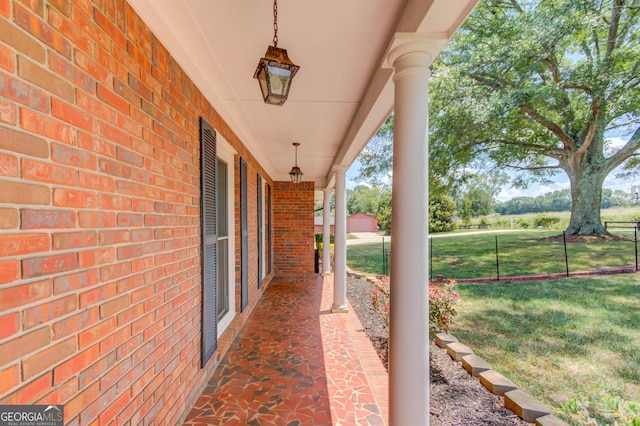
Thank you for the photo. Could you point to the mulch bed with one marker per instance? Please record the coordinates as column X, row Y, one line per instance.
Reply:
column 456, row 398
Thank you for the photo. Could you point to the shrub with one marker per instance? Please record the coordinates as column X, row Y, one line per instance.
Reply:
column 319, row 237
column 384, row 219
column 545, row 221
column 442, row 303
column 502, row 223
column 441, row 212
column 442, row 306
column 634, row 218
column 380, row 297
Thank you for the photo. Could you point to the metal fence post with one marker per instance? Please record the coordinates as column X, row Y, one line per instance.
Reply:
column 384, row 259
column 566, row 258
column 635, row 244
column 387, row 253
column 431, row 258
column 497, row 261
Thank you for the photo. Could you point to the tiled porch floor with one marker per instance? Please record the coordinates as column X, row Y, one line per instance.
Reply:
column 296, row 363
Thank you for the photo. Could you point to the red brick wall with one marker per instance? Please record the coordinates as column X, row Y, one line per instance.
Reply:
column 99, row 215
column 293, row 228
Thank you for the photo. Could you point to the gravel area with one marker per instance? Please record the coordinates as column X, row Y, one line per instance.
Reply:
column 456, row 398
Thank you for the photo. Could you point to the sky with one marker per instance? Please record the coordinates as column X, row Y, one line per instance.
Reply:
column 561, row 181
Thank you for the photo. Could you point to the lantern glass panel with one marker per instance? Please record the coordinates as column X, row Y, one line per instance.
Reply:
column 262, row 79
column 279, row 80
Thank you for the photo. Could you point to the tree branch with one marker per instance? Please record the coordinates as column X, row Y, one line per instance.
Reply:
column 625, row 124
column 596, row 44
column 625, row 152
column 613, row 27
column 516, row 6
column 590, row 131
column 582, row 87
column 485, row 81
column 567, row 110
column 625, row 85
column 555, row 153
column 553, row 67
column 550, row 125
column 534, row 168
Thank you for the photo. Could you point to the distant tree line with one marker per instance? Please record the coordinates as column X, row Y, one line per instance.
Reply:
column 475, row 198
column 559, row 201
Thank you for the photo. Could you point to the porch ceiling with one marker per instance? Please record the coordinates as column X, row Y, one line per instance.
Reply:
column 340, row 96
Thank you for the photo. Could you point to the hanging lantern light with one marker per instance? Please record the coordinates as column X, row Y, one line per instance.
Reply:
column 275, row 71
column 296, row 173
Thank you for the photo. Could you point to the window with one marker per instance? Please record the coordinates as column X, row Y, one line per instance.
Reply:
column 226, row 277
column 223, row 239
column 268, row 236
column 260, row 232
column 244, row 237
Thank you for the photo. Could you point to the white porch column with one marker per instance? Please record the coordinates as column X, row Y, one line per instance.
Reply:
column 340, row 243
column 409, row 330
column 326, row 232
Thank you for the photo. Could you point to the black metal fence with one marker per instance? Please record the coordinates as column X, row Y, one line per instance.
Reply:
column 497, row 257
column 386, row 259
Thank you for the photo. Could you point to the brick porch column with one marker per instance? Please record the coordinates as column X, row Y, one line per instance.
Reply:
column 340, row 243
column 326, row 232
column 410, row 58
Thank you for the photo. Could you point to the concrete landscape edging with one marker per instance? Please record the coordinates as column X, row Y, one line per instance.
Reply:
column 524, row 405
column 520, row 403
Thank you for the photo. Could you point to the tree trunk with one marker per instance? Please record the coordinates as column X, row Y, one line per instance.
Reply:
column 586, row 197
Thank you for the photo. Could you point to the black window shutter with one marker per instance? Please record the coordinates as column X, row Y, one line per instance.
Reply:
column 259, row 231
column 268, row 207
column 244, row 237
column 209, row 239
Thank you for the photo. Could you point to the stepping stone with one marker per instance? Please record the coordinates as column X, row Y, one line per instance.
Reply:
column 475, row 365
column 443, row 339
column 496, row 382
column 457, row 350
column 524, row 405
column 550, row 420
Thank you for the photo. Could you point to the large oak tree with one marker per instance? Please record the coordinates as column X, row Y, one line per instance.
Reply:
column 537, row 86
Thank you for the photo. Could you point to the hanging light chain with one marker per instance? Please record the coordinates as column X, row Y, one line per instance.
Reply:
column 275, row 23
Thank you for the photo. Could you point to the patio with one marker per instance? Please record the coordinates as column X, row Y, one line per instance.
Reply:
column 295, row 363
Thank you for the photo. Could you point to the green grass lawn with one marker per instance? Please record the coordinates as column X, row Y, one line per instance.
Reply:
column 572, row 343
column 519, row 253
